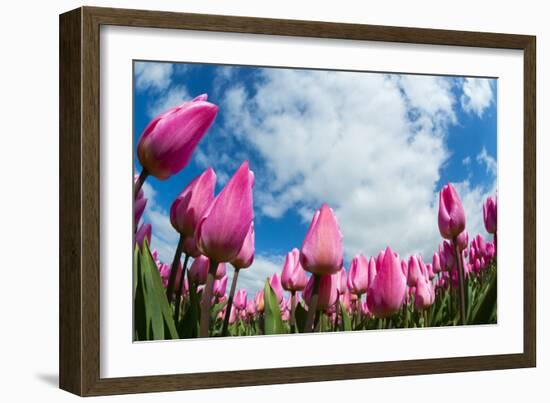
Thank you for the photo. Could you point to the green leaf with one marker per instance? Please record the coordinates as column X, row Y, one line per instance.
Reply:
column 273, row 324
column 346, row 321
column 140, row 316
column 486, row 304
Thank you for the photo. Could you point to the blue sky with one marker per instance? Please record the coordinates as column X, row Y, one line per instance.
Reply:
column 376, row 147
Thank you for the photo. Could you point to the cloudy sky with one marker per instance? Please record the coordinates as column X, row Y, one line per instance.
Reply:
column 376, row 147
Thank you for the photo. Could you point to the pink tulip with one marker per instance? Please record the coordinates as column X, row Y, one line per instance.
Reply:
column 221, row 270
column 386, row 293
column 245, row 257
column 190, row 205
column 232, row 315
column 275, row 283
column 424, row 295
column 143, row 233
column 489, row 251
column 414, row 272
column 293, row 277
column 342, row 282
column 167, row 143
column 345, row 300
column 436, row 264
column 372, row 270
column 358, row 278
column 448, row 257
column 220, row 285
column 430, row 271
column 328, row 293
column 199, row 270
column 164, row 271
column 222, row 231
column 240, row 299
column 451, row 218
column 462, row 240
column 321, row 251
column 490, row 215
column 251, row 308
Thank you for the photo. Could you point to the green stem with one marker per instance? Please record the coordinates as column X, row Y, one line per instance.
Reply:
column 179, row 290
column 230, row 302
column 312, row 308
column 460, row 283
column 174, row 270
column 206, row 299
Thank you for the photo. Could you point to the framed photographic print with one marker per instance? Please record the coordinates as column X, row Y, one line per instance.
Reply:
column 233, row 184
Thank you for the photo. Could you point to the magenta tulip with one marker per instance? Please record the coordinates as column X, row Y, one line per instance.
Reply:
column 414, row 271
column 322, row 251
column 225, row 225
column 358, row 277
column 240, row 299
column 245, row 257
column 167, row 143
column 328, row 293
column 462, row 240
column 436, row 264
column 190, row 205
column 143, row 233
column 275, row 283
column 293, row 277
column 490, row 215
column 220, row 285
column 386, row 293
column 451, row 217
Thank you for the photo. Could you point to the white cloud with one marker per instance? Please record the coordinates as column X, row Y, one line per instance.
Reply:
column 253, row 278
column 153, row 76
column 467, row 160
column 477, row 95
column 370, row 145
column 174, row 96
column 472, row 200
column 489, row 162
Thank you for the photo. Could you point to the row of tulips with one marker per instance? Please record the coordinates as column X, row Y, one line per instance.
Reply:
column 313, row 292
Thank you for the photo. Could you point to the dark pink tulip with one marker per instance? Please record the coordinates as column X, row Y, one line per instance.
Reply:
column 462, row 240
column 240, row 299
column 199, row 270
column 275, row 283
column 386, row 293
column 490, row 215
column 139, row 208
column 259, row 301
column 293, row 277
column 143, row 233
column 220, row 285
column 436, row 264
column 358, row 277
column 424, row 295
column 225, row 225
column 245, row 257
column 190, row 247
column 167, row 143
column 322, row 251
column 451, row 217
column 414, row 271
column 480, row 245
column 328, row 294
column 190, row 205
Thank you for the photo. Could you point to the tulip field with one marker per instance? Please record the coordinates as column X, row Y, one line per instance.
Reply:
column 314, row 290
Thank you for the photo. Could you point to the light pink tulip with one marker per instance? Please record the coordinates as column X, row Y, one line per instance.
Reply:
column 328, row 293
column 322, row 251
column 245, row 257
column 191, row 204
column 293, row 277
column 226, row 223
column 386, row 293
column 451, row 217
column 275, row 283
column 143, row 233
column 240, row 299
column 490, row 215
column 167, row 143
column 358, row 277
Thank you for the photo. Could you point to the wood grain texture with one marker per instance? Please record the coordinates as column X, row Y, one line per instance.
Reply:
column 80, row 196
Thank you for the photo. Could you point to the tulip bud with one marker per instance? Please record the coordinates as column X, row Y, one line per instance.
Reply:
column 414, row 272
column 251, row 308
column 321, row 251
column 386, row 293
column 220, row 285
column 424, row 295
column 245, row 257
column 226, row 223
column 167, row 143
column 358, row 278
column 198, row 271
column 436, row 264
column 191, row 204
column 462, row 240
column 259, row 301
column 451, row 218
column 240, row 299
column 490, row 215
column 342, row 283
column 328, row 294
column 144, row 232
column 275, row 284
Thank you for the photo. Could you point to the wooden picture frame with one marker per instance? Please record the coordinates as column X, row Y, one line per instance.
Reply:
column 79, row 354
